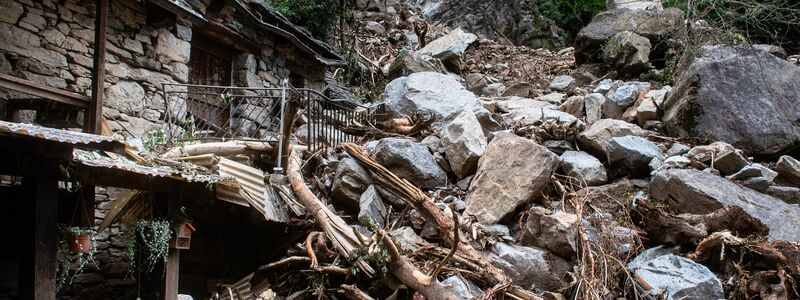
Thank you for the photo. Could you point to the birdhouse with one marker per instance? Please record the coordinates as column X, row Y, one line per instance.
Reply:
column 183, row 237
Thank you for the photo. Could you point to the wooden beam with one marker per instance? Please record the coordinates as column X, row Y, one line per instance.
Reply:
column 40, row 90
column 172, row 273
column 95, row 109
column 38, row 267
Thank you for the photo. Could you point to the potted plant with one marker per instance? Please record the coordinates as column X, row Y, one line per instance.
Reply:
column 149, row 240
column 79, row 239
column 76, row 249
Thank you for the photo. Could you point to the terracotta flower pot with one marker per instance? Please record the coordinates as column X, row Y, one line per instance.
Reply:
column 80, row 243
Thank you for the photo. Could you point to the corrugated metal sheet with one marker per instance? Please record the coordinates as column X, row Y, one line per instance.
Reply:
column 254, row 190
column 96, row 159
column 80, row 139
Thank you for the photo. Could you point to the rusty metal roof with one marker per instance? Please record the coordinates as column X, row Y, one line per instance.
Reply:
column 185, row 172
column 78, row 139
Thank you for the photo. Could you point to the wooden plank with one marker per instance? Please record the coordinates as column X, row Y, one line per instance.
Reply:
column 41, row 90
column 45, row 239
column 172, row 272
column 92, row 121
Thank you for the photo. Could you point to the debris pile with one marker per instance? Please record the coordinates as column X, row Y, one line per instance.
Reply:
column 502, row 173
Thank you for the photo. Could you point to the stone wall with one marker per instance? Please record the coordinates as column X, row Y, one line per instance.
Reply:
column 51, row 42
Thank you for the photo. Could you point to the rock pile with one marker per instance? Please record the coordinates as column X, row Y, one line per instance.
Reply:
column 549, row 178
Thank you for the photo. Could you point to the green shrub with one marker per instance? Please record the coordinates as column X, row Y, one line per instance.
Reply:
column 318, row 16
column 759, row 21
column 570, row 15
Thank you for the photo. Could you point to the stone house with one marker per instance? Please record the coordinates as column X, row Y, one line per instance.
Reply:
column 50, row 75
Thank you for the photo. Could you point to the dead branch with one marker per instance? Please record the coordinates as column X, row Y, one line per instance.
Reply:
column 410, row 276
column 423, row 203
column 344, row 239
column 219, row 148
column 352, row 292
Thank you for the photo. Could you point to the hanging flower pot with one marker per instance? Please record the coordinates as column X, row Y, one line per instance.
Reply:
column 79, row 243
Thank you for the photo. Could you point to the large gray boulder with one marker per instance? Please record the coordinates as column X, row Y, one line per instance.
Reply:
column 622, row 97
column 450, row 46
column 464, row 143
column 788, row 170
column 698, row 192
column 349, row 182
column 553, row 231
column 438, row 94
column 528, row 266
column 737, row 94
column 632, row 155
column 583, row 166
column 408, row 62
column 659, row 27
column 410, row 160
column 627, row 52
column 676, row 277
column 512, row 172
column 595, row 138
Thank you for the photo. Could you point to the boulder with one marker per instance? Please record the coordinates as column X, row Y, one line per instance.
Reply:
column 350, row 181
column 595, row 138
column 451, row 46
column 464, row 143
column 411, row 161
column 627, row 52
column 462, row 288
column 562, row 83
column 632, row 155
column 528, row 266
column 407, row 239
column 788, row 170
column 676, row 277
column 698, row 192
column 729, row 162
column 584, row 167
column 659, row 27
column 371, row 208
column 573, row 106
column 438, row 94
column 737, row 94
column 512, row 172
column 552, row 231
column 623, row 96
column 593, row 104
column 411, row 62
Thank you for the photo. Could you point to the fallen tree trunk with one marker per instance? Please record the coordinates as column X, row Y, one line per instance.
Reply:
column 220, row 148
column 346, row 240
column 424, row 204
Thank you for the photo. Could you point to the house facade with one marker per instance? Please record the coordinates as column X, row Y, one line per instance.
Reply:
column 49, row 75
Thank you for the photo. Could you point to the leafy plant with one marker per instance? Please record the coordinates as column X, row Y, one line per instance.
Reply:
column 570, row 15
column 70, row 263
column 149, row 239
column 156, row 140
column 318, row 16
column 759, row 21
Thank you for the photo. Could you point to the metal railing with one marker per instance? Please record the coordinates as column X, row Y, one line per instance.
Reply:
column 204, row 112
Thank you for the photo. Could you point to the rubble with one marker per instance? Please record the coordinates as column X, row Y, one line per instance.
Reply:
column 512, row 164
column 707, row 102
column 675, row 277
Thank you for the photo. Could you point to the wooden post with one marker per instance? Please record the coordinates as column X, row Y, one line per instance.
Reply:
column 38, row 267
column 174, row 257
column 94, row 112
column 286, row 135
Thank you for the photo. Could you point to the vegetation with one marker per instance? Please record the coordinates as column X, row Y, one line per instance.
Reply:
column 318, row 16
column 570, row 15
column 70, row 263
column 758, row 21
column 149, row 241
